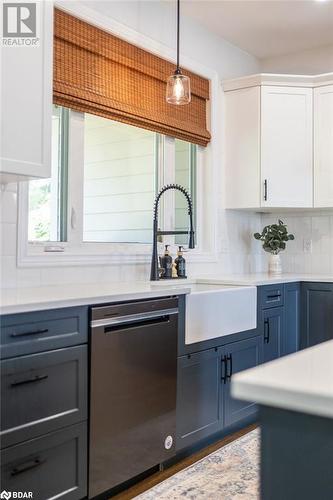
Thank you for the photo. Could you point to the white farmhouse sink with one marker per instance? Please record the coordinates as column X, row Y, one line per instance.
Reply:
column 215, row 310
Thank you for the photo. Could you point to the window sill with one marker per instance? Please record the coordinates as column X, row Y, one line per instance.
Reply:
column 83, row 258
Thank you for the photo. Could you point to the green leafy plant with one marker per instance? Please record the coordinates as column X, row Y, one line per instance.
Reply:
column 274, row 237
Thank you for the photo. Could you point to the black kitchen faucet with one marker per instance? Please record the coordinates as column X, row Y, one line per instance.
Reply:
column 154, row 272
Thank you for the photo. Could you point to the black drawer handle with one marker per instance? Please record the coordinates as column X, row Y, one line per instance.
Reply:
column 229, row 374
column 266, row 331
column 37, row 378
column 274, row 296
column 224, row 369
column 27, row 466
column 35, row 332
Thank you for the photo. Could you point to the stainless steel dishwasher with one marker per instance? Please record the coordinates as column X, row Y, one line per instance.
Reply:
column 133, row 389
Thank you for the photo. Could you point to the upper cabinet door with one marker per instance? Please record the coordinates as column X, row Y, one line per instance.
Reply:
column 242, row 148
column 323, row 146
column 26, row 93
column 286, row 147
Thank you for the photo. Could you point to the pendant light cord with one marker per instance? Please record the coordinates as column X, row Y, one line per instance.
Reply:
column 178, row 13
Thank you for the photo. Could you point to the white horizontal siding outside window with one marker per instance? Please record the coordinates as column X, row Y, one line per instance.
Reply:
column 119, row 181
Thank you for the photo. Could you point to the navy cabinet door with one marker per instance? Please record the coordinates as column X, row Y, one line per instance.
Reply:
column 50, row 466
column 237, row 357
column 198, row 396
column 272, row 327
column 292, row 317
column 317, row 313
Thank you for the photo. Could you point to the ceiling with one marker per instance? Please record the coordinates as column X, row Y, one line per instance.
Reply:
column 266, row 28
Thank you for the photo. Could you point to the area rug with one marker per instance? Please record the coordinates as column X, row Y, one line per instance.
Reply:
column 230, row 473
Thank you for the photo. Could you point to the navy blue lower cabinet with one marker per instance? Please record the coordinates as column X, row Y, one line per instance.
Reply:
column 204, row 402
column 54, row 465
column 198, row 396
column 237, row 357
column 317, row 313
column 272, row 327
column 31, row 332
column 292, row 318
column 42, row 392
column 271, row 296
column 44, row 403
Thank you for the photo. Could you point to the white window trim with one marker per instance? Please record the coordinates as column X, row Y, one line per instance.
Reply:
column 78, row 252
column 209, row 166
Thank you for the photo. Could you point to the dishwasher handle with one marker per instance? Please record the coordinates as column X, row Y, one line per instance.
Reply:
column 130, row 318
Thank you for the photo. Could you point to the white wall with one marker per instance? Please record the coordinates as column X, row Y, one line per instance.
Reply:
column 237, row 251
column 157, row 20
column 308, row 62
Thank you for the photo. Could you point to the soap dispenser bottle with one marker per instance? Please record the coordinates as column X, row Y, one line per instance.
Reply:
column 166, row 263
column 180, row 263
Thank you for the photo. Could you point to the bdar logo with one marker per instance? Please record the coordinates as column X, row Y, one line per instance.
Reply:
column 5, row 494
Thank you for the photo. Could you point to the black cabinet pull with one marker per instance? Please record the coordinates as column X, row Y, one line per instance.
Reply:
column 224, row 369
column 276, row 296
column 229, row 374
column 27, row 466
column 265, row 190
column 34, row 332
column 266, row 331
column 37, row 378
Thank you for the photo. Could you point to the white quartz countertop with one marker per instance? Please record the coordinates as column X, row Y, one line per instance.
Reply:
column 20, row 300
column 258, row 279
column 301, row 382
column 51, row 297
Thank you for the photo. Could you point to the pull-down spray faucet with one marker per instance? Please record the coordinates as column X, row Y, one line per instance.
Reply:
column 154, row 273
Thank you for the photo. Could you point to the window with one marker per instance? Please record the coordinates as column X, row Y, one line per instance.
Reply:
column 105, row 177
column 185, row 175
column 48, row 197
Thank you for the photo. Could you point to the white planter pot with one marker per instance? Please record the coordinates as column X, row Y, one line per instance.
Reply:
column 274, row 265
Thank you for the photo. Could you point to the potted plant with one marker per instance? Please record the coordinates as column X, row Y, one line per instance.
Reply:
column 274, row 238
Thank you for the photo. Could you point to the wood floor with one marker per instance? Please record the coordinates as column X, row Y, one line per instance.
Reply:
column 158, row 477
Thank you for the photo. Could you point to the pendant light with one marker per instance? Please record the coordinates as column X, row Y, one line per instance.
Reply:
column 178, row 85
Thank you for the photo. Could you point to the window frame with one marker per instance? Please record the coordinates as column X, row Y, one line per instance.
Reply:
column 77, row 251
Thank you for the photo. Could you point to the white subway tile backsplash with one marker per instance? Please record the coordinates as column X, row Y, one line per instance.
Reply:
column 8, row 272
column 315, row 228
column 8, row 240
column 27, row 277
column 8, row 206
column 238, row 251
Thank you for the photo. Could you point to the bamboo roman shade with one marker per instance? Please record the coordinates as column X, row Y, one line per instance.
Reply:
column 98, row 73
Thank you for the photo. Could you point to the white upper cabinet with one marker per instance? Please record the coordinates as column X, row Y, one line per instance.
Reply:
column 26, row 95
column 286, row 147
column 323, row 146
column 268, row 145
column 242, row 148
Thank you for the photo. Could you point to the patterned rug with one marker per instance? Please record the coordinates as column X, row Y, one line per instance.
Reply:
column 230, row 473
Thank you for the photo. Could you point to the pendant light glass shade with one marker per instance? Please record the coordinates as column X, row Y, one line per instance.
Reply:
column 178, row 89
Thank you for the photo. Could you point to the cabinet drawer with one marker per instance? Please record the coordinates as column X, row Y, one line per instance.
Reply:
column 27, row 333
column 271, row 296
column 42, row 392
column 52, row 466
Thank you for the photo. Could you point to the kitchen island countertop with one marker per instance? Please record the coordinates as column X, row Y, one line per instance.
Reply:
column 301, row 382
